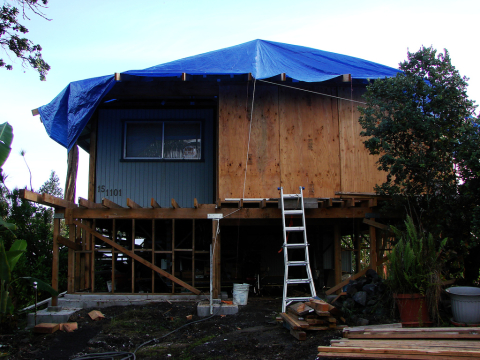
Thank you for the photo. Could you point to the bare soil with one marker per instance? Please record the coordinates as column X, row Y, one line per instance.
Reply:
column 252, row 333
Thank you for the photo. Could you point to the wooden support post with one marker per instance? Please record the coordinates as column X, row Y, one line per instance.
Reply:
column 86, row 242
column 93, row 160
column 216, row 280
column 337, row 251
column 92, row 258
column 56, row 233
column 114, row 256
column 357, row 246
column 72, row 272
column 72, row 169
column 133, row 260
column 193, row 252
column 153, row 255
column 173, row 254
column 373, row 248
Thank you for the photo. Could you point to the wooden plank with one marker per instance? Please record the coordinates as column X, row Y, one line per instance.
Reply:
column 138, row 258
column 299, row 335
column 68, row 243
column 379, row 326
column 30, row 196
column 203, row 211
column 175, row 204
column 262, row 163
column 96, row 315
column 402, row 344
column 57, row 202
column 337, row 254
column 355, row 159
column 88, row 204
column 132, row 204
column 376, row 224
column 56, row 233
column 46, row 328
column 110, row 204
column 92, row 163
column 399, row 351
column 73, row 263
column 350, row 356
column 293, row 322
column 309, row 148
column 154, row 204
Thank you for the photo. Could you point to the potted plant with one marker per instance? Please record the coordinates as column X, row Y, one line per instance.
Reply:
column 414, row 273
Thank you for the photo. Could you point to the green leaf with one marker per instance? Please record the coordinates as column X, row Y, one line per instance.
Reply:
column 15, row 253
column 6, row 138
column 5, row 272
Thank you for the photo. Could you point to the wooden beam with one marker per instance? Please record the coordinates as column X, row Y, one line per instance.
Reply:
column 72, row 170
column 353, row 277
column 154, row 204
column 35, row 112
column 376, row 224
column 31, row 196
column 184, row 76
column 57, row 202
column 283, row 77
column 337, row 251
column 136, row 257
column 68, row 243
column 88, row 204
column 203, row 211
column 347, row 77
column 118, row 77
column 195, row 203
column 263, row 204
column 132, row 204
column 174, row 204
column 372, row 202
column 110, row 204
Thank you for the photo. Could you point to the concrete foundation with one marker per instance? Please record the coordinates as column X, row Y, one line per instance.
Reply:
column 53, row 314
column 203, row 308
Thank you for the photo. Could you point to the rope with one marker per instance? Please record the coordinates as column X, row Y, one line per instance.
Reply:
column 314, row 92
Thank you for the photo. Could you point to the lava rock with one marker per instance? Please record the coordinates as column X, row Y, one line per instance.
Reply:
column 362, row 322
column 360, row 298
column 369, row 288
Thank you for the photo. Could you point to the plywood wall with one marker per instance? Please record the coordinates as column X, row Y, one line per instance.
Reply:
column 262, row 158
column 309, row 149
column 358, row 167
column 297, row 139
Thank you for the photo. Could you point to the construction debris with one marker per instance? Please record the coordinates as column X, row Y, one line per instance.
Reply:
column 393, row 342
column 46, row 328
column 314, row 314
column 68, row 327
column 96, row 315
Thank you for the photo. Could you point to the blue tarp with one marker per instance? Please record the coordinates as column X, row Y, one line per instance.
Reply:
column 66, row 116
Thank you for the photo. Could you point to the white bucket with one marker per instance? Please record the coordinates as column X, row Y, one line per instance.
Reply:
column 240, row 294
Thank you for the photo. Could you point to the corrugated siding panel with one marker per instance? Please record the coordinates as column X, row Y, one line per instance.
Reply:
column 347, row 261
column 143, row 180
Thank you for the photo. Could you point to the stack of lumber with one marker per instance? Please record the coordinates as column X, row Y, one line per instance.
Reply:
column 311, row 315
column 405, row 343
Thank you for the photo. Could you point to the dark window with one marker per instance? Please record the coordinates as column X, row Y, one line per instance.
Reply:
column 170, row 140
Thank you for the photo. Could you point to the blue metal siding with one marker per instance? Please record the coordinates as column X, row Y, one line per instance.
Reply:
column 142, row 180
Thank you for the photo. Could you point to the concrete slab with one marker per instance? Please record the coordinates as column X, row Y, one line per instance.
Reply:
column 203, row 309
column 46, row 316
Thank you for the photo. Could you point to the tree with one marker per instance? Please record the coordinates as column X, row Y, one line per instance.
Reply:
column 12, row 33
column 421, row 124
column 52, row 186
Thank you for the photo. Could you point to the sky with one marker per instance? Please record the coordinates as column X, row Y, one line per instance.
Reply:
column 89, row 38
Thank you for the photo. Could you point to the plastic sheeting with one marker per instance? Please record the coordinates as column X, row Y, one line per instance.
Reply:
column 66, row 116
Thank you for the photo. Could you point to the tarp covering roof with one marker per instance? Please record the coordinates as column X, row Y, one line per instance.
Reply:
column 66, row 116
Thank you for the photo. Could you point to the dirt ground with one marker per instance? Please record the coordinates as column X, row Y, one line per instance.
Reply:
column 252, row 333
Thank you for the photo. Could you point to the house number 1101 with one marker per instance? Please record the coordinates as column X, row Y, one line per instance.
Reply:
column 109, row 192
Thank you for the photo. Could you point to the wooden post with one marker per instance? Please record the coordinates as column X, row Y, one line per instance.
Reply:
column 337, row 251
column 72, row 273
column 72, row 169
column 87, row 247
column 153, row 255
column 56, row 233
column 216, row 279
column 193, row 252
column 173, row 254
column 358, row 247
column 92, row 162
column 133, row 251
column 92, row 259
column 373, row 248
column 114, row 256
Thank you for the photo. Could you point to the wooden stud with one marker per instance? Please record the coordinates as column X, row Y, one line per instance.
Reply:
column 133, row 260
column 153, row 255
column 93, row 159
column 193, row 252
column 86, row 246
column 337, row 251
column 110, row 204
column 79, row 261
column 216, row 260
column 114, row 256
column 173, row 254
column 92, row 248
column 72, row 272
column 132, row 204
column 357, row 245
column 174, row 204
column 137, row 258
column 373, row 248
column 154, row 204
column 56, row 232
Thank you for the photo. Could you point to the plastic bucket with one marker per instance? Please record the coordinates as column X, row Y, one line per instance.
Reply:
column 465, row 304
column 240, row 294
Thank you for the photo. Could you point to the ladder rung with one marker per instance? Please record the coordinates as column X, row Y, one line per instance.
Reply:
column 297, row 263
column 299, row 245
column 298, row 281
column 291, row 196
column 294, row 228
column 291, row 299
column 293, row 212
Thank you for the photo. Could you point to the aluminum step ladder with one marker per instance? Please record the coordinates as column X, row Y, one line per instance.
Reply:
column 299, row 213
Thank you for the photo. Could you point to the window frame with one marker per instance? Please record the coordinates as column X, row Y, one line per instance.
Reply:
column 163, row 122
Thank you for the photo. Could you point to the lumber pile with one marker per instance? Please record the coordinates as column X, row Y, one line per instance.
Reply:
column 383, row 342
column 311, row 315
